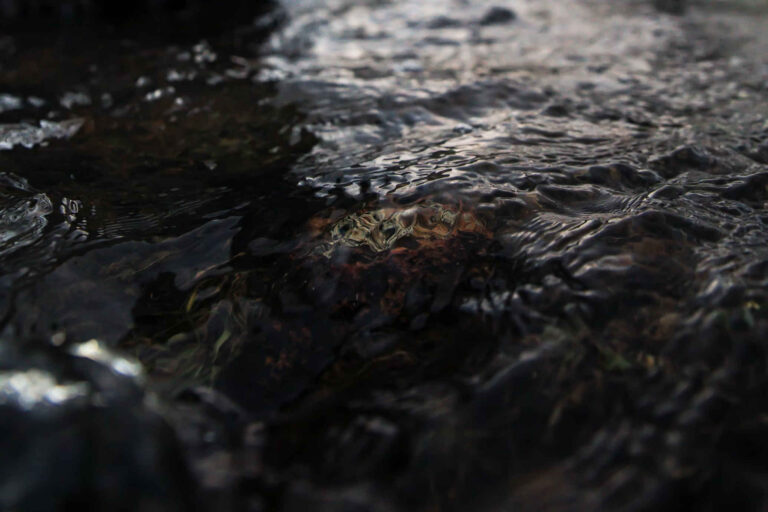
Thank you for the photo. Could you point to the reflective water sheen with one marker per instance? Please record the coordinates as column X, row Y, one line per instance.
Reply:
column 385, row 255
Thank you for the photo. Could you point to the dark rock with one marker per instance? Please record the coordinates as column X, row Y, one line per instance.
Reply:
column 556, row 110
column 683, row 159
column 443, row 22
column 75, row 433
column 498, row 16
column 749, row 188
column 760, row 155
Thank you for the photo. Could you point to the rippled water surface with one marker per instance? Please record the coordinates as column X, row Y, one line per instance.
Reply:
column 389, row 255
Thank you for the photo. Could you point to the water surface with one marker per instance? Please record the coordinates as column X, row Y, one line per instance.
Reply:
column 386, row 256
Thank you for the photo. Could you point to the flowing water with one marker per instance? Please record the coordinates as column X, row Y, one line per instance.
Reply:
column 388, row 255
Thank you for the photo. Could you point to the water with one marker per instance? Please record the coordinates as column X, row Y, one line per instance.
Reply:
column 386, row 256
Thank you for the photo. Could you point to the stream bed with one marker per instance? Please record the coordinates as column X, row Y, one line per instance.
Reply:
column 384, row 255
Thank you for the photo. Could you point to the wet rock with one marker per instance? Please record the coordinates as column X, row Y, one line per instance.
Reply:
column 667, row 192
column 441, row 22
column 760, row 154
column 28, row 135
column 622, row 175
column 383, row 229
column 75, row 432
column 275, row 365
column 498, row 16
column 355, row 447
column 23, row 213
column 683, row 159
column 557, row 110
column 69, row 100
column 748, row 188
column 117, row 292
column 9, row 102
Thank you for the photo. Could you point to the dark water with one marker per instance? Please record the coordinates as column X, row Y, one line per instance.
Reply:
column 387, row 255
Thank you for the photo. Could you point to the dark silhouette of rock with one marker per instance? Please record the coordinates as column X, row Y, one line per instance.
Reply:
column 75, row 433
column 498, row 16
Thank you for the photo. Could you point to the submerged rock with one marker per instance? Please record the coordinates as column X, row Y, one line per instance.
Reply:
column 23, row 213
column 385, row 228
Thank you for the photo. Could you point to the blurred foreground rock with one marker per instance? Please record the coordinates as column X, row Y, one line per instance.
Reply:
column 76, row 434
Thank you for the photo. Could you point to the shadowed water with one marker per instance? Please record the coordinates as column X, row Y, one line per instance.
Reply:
column 389, row 256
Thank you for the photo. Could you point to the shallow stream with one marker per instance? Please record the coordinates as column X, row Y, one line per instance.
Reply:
column 388, row 255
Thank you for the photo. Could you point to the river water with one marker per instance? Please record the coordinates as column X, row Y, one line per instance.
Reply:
column 387, row 255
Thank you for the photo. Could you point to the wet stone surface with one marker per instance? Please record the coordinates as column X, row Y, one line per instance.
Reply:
column 375, row 256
